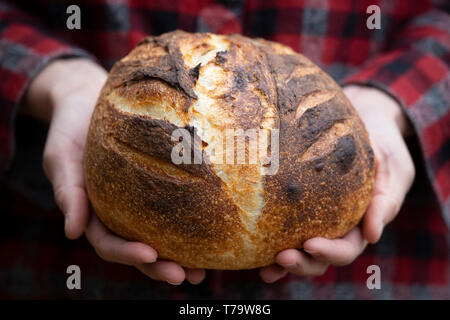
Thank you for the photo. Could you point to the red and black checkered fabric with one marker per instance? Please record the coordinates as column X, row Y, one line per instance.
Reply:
column 409, row 58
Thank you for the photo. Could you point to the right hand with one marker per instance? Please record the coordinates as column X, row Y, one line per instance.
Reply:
column 64, row 94
column 387, row 126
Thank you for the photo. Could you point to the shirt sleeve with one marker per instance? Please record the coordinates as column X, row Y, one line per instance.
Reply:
column 25, row 48
column 415, row 70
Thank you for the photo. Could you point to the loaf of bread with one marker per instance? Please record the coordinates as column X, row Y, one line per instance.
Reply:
column 216, row 214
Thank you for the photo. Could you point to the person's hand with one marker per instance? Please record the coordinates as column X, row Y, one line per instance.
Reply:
column 387, row 125
column 64, row 94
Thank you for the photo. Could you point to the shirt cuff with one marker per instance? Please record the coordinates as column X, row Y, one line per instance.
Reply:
column 24, row 52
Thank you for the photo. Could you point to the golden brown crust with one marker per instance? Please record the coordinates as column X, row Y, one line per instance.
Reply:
column 224, row 216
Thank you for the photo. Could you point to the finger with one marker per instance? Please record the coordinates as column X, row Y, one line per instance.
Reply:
column 195, row 276
column 300, row 264
column 163, row 271
column 338, row 252
column 73, row 201
column 382, row 209
column 395, row 174
column 114, row 249
column 383, row 206
column 65, row 172
column 272, row 273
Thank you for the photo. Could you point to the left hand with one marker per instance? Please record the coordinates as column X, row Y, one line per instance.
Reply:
column 64, row 94
column 386, row 125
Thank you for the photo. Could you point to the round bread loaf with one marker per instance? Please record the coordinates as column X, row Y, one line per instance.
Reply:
column 226, row 215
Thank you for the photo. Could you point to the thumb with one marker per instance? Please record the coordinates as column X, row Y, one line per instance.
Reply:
column 63, row 166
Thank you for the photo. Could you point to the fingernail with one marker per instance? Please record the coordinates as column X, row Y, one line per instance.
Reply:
column 174, row 283
column 149, row 259
column 313, row 253
column 289, row 265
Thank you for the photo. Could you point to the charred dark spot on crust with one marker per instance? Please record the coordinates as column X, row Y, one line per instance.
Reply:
column 240, row 82
column 136, row 132
column 169, row 68
column 310, row 83
column 294, row 191
column 194, row 72
column 293, row 60
column 319, row 165
column 345, row 152
column 369, row 152
column 289, row 92
column 221, row 57
column 358, row 176
column 228, row 97
column 319, row 119
column 297, row 88
column 164, row 71
column 185, row 79
column 251, row 82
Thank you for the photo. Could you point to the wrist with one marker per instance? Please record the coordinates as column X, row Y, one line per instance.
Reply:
column 75, row 74
column 56, row 80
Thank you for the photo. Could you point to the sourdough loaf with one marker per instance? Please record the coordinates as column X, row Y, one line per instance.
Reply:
column 221, row 215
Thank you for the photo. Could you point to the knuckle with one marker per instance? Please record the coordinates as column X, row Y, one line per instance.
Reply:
column 103, row 254
column 96, row 243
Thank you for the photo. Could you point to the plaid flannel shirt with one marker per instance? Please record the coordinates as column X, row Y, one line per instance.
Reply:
column 409, row 58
